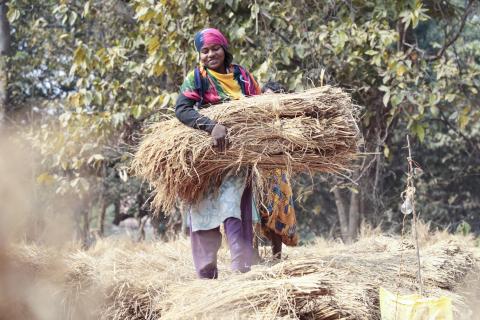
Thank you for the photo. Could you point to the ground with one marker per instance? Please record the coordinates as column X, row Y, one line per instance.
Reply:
column 122, row 279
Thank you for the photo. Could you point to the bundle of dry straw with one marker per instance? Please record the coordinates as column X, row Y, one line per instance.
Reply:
column 327, row 280
column 312, row 131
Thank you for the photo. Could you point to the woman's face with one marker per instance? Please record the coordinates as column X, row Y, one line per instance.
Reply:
column 213, row 57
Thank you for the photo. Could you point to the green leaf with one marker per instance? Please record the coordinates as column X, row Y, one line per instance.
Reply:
column 463, row 228
column 401, row 69
column 450, row 97
column 73, row 18
column 137, row 111
column 285, row 56
column 386, row 98
column 433, row 99
column 13, row 15
column 396, row 99
column 463, row 120
column 384, row 88
column 300, row 51
column 255, row 10
column 386, row 151
column 86, row 8
column 353, row 189
column 153, row 44
column 166, row 100
column 239, row 33
column 145, row 14
column 421, row 109
column 45, row 178
column 419, row 132
column 152, row 104
column 79, row 55
column 261, row 72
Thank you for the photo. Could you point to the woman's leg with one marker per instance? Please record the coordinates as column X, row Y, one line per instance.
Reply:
column 239, row 250
column 276, row 245
column 247, row 224
column 257, row 230
column 205, row 245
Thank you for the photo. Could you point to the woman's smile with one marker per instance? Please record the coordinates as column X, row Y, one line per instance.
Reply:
column 213, row 57
column 214, row 64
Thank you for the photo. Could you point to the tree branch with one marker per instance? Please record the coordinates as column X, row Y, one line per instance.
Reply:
column 448, row 43
column 447, row 123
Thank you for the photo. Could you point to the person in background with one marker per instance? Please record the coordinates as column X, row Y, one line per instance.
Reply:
column 273, row 87
column 217, row 79
column 277, row 213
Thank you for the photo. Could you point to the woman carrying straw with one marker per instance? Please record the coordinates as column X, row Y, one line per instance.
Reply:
column 216, row 80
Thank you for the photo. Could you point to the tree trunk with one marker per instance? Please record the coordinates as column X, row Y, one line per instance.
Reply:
column 349, row 220
column 85, row 226
column 103, row 211
column 116, row 217
column 342, row 214
column 354, row 216
column 4, row 51
column 103, row 201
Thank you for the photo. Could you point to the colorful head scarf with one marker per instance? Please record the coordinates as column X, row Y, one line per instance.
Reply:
column 210, row 36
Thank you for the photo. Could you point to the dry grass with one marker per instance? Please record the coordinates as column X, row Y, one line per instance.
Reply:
column 304, row 132
column 326, row 280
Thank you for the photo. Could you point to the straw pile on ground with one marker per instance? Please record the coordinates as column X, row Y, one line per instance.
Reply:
column 312, row 131
column 124, row 280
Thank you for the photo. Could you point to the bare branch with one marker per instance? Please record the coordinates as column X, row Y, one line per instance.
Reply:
column 452, row 40
column 447, row 123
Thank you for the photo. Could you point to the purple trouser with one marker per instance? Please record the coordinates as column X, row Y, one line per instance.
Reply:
column 205, row 243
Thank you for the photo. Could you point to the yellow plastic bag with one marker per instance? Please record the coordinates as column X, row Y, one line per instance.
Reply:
column 414, row 307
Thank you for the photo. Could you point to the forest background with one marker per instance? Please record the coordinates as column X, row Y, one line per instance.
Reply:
column 81, row 80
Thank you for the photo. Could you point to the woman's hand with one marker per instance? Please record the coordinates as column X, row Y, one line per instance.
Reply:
column 219, row 136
